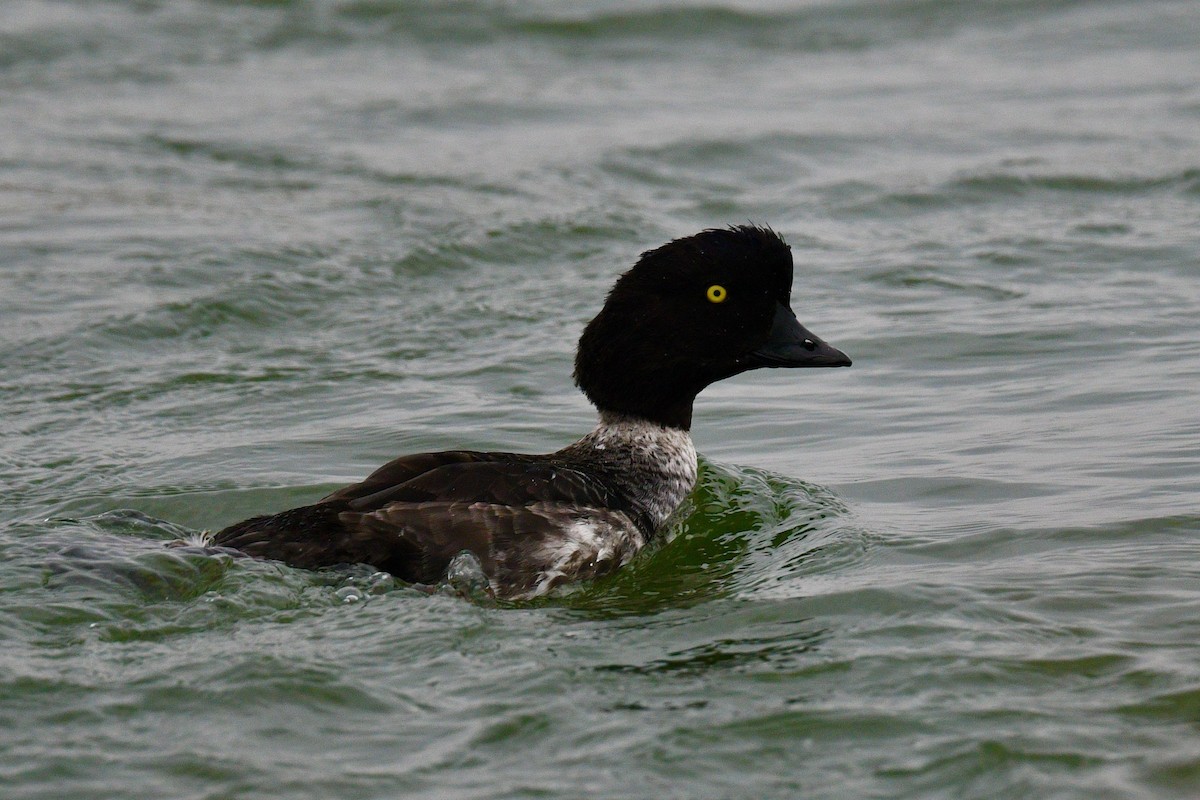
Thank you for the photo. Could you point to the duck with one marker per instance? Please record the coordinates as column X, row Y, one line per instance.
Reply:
column 694, row 311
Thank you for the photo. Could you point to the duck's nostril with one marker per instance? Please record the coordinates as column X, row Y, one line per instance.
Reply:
column 810, row 345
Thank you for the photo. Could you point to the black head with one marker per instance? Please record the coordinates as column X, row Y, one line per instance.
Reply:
column 692, row 312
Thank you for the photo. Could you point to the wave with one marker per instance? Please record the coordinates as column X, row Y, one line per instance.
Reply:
column 744, row 532
column 132, row 41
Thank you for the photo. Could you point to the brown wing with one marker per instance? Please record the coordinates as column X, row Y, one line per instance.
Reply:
column 516, row 545
column 405, row 468
column 311, row 537
column 503, row 482
column 503, row 511
column 524, row 550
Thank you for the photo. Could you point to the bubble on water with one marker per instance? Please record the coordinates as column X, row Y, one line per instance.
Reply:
column 380, row 582
column 350, row 594
column 465, row 576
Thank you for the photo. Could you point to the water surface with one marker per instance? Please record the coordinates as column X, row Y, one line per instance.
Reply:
column 252, row 250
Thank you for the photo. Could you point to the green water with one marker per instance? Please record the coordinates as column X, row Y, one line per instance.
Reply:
column 250, row 251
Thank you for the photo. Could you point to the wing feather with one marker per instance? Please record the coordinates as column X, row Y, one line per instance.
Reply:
column 522, row 549
column 405, row 468
column 530, row 522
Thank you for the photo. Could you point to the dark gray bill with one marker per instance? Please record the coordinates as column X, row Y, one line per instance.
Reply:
column 790, row 344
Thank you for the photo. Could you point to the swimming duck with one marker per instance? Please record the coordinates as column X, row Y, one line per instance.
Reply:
column 691, row 312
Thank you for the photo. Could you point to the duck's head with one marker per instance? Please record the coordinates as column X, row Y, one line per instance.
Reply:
column 692, row 312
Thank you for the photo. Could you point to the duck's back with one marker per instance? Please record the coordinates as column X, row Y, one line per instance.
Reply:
column 530, row 520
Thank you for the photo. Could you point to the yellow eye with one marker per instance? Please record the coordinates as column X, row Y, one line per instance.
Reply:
column 716, row 293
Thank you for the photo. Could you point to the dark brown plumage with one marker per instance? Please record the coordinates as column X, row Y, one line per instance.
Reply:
column 689, row 313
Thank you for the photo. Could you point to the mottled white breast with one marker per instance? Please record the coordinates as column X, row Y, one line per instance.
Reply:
column 653, row 464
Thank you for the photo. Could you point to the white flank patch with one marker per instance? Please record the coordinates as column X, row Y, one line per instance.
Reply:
column 584, row 544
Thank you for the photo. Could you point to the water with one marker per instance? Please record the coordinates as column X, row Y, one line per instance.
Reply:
column 252, row 250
